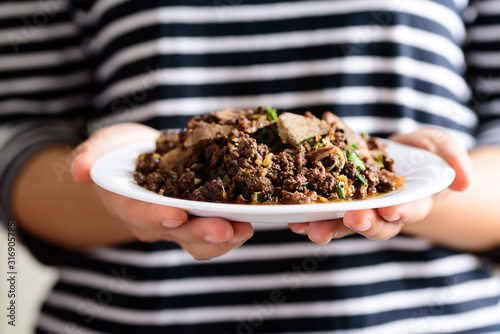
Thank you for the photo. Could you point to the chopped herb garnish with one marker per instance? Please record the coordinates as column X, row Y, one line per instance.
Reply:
column 380, row 160
column 317, row 145
column 362, row 179
column 233, row 140
column 351, row 156
column 272, row 113
column 172, row 176
column 226, row 179
column 256, row 197
column 340, row 189
column 354, row 146
column 307, row 140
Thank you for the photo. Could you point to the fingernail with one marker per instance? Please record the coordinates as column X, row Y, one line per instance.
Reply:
column 236, row 240
column 332, row 236
column 394, row 218
column 210, row 238
column 302, row 231
column 171, row 223
column 328, row 240
column 365, row 226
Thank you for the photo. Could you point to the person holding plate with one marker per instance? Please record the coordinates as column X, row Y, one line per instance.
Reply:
column 81, row 78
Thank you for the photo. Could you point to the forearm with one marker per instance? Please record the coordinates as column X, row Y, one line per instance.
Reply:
column 48, row 204
column 468, row 220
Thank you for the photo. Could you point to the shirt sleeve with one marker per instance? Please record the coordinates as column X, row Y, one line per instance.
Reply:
column 483, row 59
column 44, row 85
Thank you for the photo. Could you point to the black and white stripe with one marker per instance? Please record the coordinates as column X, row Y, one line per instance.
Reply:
column 437, row 283
column 385, row 66
column 484, row 43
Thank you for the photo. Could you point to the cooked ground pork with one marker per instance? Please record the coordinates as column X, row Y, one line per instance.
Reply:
column 258, row 157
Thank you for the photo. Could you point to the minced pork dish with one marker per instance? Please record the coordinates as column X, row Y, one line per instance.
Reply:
column 258, row 157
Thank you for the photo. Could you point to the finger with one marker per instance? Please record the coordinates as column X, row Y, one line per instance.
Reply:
column 151, row 222
column 440, row 143
column 81, row 163
column 321, row 232
column 303, row 229
column 343, row 231
column 142, row 215
column 463, row 172
column 369, row 224
column 299, row 228
column 201, row 249
column 206, row 251
column 407, row 213
column 241, row 233
column 104, row 141
column 210, row 230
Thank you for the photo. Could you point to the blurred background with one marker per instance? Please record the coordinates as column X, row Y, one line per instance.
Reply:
column 33, row 280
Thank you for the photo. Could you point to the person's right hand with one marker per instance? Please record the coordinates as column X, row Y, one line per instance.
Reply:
column 203, row 238
column 386, row 222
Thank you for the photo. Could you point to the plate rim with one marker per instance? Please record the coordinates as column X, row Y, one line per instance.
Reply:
column 219, row 209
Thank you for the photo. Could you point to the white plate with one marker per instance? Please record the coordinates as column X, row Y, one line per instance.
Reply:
column 425, row 173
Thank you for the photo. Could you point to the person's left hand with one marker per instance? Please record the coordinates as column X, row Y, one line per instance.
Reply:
column 384, row 223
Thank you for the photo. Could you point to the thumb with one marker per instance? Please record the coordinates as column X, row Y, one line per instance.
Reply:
column 103, row 141
column 438, row 142
column 82, row 159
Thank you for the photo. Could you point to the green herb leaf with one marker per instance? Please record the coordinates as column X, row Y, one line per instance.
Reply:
column 340, row 189
column 380, row 160
column 301, row 186
column 362, row 179
column 351, row 156
column 226, row 179
column 256, row 197
column 272, row 113
column 233, row 140
column 172, row 176
column 307, row 140
column 317, row 145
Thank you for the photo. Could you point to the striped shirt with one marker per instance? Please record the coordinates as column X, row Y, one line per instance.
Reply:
column 68, row 68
